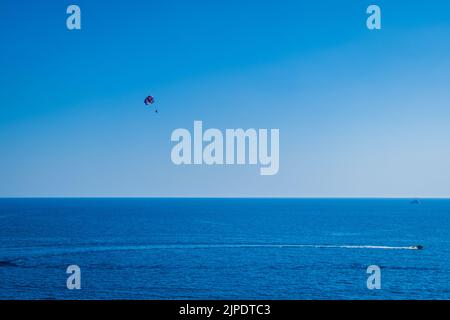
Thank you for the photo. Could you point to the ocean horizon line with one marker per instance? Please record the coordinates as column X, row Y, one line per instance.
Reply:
column 231, row 197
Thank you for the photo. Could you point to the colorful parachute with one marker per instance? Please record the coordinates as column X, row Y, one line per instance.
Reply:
column 149, row 100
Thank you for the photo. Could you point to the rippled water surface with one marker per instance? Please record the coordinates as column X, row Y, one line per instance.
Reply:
column 224, row 248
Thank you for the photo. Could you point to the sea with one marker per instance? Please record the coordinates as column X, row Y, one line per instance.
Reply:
column 206, row 248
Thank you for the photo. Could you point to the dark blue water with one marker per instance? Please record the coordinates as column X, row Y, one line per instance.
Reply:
column 223, row 248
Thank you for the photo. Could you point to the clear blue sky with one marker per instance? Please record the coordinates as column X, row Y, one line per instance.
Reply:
column 360, row 113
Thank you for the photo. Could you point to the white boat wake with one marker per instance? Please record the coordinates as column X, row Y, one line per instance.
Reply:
column 109, row 248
